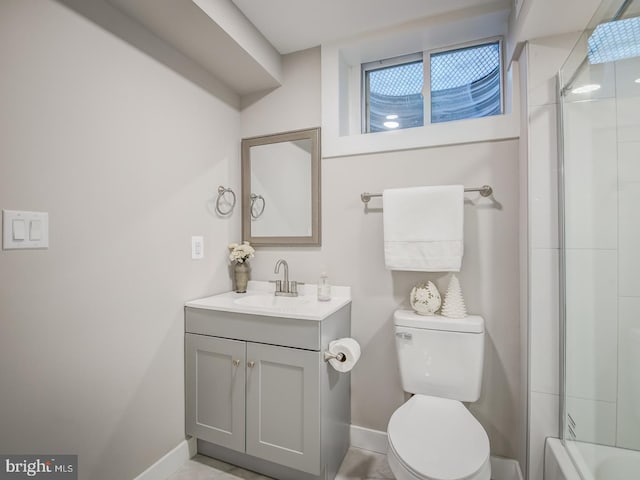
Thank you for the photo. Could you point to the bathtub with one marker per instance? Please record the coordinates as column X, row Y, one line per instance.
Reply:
column 594, row 462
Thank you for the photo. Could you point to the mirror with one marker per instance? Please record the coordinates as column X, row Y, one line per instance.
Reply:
column 281, row 188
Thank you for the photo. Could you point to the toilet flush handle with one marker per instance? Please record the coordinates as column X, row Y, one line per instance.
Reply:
column 404, row 335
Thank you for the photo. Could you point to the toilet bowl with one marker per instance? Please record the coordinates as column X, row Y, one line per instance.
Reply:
column 432, row 438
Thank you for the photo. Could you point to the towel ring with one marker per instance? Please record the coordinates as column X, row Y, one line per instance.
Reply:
column 221, row 194
column 252, row 207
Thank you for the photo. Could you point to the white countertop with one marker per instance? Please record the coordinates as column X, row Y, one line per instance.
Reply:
column 304, row 307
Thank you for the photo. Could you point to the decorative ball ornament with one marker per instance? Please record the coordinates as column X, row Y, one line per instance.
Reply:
column 454, row 306
column 425, row 298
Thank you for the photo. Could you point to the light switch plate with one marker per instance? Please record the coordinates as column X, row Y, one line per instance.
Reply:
column 17, row 229
column 197, row 248
column 34, row 228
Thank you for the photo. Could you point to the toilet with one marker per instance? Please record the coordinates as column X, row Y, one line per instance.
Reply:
column 433, row 436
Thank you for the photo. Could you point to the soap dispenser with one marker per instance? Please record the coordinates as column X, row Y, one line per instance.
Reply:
column 324, row 289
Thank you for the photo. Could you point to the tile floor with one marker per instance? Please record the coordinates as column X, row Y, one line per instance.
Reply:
column 357, row 465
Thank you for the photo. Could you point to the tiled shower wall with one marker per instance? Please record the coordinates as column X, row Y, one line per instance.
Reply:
column 628, row 117
column 543, row 58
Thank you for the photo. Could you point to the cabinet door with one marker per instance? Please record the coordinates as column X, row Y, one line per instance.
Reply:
column 215, row 385
column 283, row 406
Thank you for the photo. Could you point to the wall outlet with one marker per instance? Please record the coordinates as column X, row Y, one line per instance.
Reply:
column 197, row 248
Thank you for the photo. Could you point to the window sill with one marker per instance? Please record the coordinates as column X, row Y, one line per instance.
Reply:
column 341, row 84
column 499, row 127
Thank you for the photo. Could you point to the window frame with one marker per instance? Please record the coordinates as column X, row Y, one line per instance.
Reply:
column 378, row 65
column 425, row 57
column 427, row 72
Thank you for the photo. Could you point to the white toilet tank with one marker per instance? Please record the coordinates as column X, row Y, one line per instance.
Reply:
column 440, row 356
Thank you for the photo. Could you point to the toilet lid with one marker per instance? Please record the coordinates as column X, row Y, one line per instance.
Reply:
column 438, row 438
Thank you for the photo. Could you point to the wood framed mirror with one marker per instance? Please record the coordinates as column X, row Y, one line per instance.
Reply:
column 281, row 188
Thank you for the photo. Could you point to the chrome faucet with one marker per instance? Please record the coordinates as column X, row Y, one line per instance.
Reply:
column 285, row 287
column 286, row 269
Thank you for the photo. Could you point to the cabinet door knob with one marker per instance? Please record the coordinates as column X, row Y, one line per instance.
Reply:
column 251, row 364
column 236, row 362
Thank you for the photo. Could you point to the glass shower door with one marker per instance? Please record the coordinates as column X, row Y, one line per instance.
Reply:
column 600, row 215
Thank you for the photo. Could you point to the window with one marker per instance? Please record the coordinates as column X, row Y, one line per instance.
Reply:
column 393, row 93
column 464, row 83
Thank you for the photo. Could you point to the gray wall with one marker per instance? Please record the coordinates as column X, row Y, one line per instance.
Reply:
column 125, row 155
column 352, row 253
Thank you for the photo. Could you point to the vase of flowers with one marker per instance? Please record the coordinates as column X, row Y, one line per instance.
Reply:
column 239, row 256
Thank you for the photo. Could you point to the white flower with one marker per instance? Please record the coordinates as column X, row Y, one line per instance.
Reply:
column 240, row 253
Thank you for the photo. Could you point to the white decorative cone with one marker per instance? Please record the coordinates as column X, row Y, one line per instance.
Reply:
column 454, row 306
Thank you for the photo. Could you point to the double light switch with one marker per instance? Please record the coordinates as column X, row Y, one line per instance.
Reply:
column 24, row 229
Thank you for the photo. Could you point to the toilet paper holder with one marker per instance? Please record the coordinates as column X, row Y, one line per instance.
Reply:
column 341, row 357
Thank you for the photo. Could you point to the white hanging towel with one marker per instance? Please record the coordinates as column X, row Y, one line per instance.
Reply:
column 423, row 228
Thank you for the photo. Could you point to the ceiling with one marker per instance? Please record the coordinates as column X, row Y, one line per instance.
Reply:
column 292, row 25
column 213, row 34
column 241, row 42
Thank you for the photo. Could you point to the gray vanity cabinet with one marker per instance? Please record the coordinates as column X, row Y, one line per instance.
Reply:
column 260, row 395
column 278, row 386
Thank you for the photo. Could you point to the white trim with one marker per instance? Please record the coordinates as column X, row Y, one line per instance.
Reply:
column 367, row 439
column 361, row 437
column 170, row 462
column 341, row 85
column 505, row 469
column 376, row 441
column 474, row 130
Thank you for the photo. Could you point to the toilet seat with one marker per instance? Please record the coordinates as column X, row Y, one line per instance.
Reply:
column 434, row 438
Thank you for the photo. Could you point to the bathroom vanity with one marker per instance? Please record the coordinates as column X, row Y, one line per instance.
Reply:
column 259, row 393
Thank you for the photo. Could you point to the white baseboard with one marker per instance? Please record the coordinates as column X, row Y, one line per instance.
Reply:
column 367, row 439
column 171, row 462
column 376, row 441
column 361, row 437
column 505, row 469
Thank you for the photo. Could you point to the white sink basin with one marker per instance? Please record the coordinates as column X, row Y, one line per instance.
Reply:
column 272, row 301
column 260, row 300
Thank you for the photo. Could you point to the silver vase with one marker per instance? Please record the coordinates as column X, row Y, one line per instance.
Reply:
column 241, row 276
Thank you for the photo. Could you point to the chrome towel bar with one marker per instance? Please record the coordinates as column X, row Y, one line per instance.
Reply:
column 485, row 191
